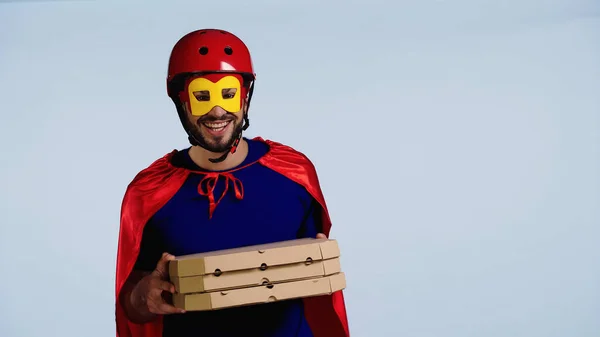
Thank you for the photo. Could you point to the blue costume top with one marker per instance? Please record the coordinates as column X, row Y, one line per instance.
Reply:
column 273, row 208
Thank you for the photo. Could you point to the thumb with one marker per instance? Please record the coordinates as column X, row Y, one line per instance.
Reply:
column 162, row 267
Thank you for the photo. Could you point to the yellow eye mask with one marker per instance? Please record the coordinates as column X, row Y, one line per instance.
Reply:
column 205, row 94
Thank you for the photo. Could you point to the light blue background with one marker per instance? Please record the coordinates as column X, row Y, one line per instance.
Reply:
column 457, row 143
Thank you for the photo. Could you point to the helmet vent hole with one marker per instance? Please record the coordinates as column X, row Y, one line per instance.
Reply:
column 203, row 51
column 228, row 50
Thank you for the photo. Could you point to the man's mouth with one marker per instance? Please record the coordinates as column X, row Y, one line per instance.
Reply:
column 216, row 127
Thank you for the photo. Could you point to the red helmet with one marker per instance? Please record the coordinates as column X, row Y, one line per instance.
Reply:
column 208, row 51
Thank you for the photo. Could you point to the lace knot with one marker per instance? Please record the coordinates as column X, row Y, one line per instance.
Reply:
column 208, row 184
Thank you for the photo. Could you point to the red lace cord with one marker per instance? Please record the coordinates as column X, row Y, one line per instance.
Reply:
column 210, row 180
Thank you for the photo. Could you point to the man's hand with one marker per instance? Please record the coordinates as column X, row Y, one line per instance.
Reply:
column 147, row 296
column 321, row 236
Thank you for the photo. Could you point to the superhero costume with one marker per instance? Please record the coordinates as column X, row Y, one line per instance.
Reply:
column 210, row 68
column 251, row 205
column 152, row 188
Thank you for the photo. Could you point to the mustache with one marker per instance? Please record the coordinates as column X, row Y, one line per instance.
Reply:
column 225, row 118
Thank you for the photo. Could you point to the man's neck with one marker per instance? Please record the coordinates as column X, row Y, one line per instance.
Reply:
column 201, row 156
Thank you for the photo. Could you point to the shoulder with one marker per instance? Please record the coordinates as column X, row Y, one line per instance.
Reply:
column 285, row 153
column 292, row 164
column 152, row 187
column 296, row 166
column 159, row 164
column 159, row 172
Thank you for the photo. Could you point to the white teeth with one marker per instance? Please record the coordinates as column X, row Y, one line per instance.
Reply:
column 216, row 126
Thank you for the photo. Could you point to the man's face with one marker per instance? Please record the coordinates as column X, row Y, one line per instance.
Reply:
column 215, row 110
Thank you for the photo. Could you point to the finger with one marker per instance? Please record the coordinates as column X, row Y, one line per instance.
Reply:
column 321, row 236
column 162, row 267
column 165, row 309
column 164, row 286
column 160, row 307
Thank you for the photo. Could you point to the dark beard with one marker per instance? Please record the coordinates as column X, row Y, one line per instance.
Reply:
column 218, row 147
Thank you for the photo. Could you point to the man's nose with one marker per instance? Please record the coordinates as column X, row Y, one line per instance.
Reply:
column 217, row 112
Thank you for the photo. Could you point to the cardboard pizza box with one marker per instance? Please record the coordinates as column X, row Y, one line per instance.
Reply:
column 251, row 265
column 260, row 294
column 256, row 276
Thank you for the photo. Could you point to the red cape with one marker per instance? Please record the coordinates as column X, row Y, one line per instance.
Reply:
column 155, row 185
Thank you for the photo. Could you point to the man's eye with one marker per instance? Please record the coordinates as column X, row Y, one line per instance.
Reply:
column 228, row 93
column 202, row 97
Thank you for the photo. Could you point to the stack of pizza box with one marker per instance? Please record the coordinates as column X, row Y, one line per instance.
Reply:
column 257, row 274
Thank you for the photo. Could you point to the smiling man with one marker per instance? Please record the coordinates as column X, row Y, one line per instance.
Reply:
column 224, row 191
